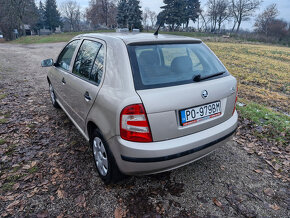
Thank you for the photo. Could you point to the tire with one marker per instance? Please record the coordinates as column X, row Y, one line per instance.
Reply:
column 104, row 160
column 53, row 97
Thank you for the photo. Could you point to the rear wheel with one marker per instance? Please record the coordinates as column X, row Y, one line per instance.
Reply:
column 53, row 97
column 104, row 159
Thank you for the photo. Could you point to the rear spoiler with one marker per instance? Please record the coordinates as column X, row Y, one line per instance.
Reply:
column 163, row 42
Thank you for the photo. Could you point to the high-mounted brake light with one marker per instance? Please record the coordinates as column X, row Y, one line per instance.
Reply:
column 134, row 125
column 236, row 100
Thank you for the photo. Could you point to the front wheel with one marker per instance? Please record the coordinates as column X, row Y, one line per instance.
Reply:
column 104, row 160
column 53, row 97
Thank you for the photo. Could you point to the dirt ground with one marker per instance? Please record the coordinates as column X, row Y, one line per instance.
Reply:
column 46, row 168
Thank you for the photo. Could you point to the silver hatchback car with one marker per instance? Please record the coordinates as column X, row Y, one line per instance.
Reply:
column 145, row 103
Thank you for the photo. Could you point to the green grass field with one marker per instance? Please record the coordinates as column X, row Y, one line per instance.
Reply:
column 61, row 37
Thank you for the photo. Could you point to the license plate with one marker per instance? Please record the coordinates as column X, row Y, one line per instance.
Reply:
column 200, row 113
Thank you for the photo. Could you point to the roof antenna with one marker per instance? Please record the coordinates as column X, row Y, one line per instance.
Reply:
column 161, row 23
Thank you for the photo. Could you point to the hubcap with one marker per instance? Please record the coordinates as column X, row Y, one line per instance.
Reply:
column 100, row 156
column 52, row 96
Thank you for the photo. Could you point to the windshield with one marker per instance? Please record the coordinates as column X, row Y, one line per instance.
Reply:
column 156, row 66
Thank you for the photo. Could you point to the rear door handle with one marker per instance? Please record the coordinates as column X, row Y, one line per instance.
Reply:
column 63, row 81
column 87, row 96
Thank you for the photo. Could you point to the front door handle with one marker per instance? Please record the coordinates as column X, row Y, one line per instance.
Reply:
column 63, row 81
column 87, row 96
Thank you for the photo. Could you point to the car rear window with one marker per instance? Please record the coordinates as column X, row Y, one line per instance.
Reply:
column 163, row 65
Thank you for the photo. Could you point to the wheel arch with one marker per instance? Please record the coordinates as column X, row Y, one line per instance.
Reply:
column 91, row 126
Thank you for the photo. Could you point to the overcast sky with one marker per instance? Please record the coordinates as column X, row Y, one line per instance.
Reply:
column 283, row 7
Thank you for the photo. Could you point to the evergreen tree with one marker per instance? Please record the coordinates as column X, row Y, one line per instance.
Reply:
column 161, row 18
column 129, row 14
column 134, row 15
column 192, row 10
column 122, row 14
column 175, row 12
column 178, row 12
column 41, row 16
column 52, row 16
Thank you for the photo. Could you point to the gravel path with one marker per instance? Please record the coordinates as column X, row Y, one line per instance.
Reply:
column 46, row 168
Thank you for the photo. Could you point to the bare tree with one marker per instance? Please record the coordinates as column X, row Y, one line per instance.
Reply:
column 7, row 23
column 264, row 20
column 153, row 18
column 15, row 14
column 102, row 12
column 145, row 16
column 218, row 12
column 243, row 9
column 204, row 21
column 212, row 13
column 223, row 12
column 71, row 10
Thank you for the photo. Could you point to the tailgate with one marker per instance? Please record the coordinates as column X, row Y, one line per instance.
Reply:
column 164, row 107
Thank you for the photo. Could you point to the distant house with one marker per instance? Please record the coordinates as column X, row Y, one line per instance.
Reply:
column 28, row 30
column 57, row 29
column 42, row 32
column 45, row 31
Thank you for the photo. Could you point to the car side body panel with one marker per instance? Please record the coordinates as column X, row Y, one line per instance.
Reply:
column 117, row 90
column 77, row 88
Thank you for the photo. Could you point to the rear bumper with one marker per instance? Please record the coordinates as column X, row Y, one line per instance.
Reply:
column 148, row 158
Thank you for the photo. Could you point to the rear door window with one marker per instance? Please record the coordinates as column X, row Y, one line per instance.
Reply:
column 98, row 67
column 85, row 58
column 156, row 66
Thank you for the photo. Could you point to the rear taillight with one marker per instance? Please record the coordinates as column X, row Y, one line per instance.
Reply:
column 134, row 125
column 236, row 100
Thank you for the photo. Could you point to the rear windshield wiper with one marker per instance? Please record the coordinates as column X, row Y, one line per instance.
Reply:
column 198, row 77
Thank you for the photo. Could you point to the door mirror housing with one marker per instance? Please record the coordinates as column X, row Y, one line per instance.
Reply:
column 47, row 63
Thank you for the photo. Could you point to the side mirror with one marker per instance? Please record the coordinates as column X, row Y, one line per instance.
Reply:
column 47, row 63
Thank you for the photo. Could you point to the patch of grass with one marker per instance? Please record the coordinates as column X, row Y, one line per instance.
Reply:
column 10, row 181
column 33, row 170
column 2, row 141
column 262, row 71
column 7, row 186
column 15, row 169
column 62, row 37
column 2, row 96
column 7, row 115
column 31, row 125
column 2, row 121
column 14, row 178
column 191, row 34
column 276, row 124
column 11, row 150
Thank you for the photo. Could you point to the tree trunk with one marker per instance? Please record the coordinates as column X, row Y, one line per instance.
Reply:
column 23, row 30
column 239, row 23
column 235, row 22
column 187, row 23
column 238, row 28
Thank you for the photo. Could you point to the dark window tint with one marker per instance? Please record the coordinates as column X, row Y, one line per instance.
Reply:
column 66, row 55
column 98, row 68
column 156, row 66
column 85, row 58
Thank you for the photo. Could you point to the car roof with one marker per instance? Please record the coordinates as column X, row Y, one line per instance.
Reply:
column 141, row 38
